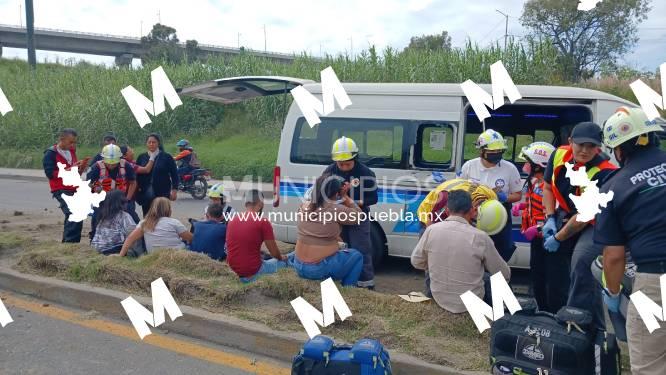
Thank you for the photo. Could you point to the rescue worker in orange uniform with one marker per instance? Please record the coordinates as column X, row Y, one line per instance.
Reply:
column 112, row 172
column 545, row 267
column 562, row 232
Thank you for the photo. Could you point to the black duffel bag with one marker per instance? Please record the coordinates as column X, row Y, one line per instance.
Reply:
column 540, row 343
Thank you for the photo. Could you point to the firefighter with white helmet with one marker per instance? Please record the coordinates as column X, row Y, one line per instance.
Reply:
column 545, row 267
column 360, row 183
column 503, row 177
column 635, row 219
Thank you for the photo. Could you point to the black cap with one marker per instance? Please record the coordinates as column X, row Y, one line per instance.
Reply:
column 586, row 132
column 109, row 136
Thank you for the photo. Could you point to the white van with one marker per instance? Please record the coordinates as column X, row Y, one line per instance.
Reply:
column 409, row 134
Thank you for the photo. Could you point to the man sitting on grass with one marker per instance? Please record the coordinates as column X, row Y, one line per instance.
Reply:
column 458, row 256
column 245, row 234
column 210, row 235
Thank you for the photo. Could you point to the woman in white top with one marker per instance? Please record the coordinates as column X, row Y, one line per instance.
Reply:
column 158, row 229
column 500, row 175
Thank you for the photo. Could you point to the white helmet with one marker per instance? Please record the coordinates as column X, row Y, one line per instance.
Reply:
column 537, row 153
column 491, row 140
column 627, row 123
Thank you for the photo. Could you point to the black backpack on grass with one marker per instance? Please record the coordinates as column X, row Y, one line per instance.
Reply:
column 533, row 342
column 320, row 356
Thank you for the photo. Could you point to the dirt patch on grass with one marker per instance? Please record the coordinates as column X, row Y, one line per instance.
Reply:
column 423, row 330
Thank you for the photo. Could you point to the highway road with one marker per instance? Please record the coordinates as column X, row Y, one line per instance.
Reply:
column 47, row 339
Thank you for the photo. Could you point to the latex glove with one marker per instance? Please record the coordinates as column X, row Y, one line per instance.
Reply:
column 612, row 301
column 550, row 228
column 515, row 210
column 531, row 232
column 502, row 196
column 551, row 244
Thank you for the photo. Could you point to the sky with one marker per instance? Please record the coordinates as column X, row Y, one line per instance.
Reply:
column 315, row 26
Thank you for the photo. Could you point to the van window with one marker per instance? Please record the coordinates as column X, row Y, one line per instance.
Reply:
column 523, row 124
column 434, row 146
column 381, row 143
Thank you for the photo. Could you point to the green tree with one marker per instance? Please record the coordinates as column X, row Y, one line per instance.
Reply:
column 162, row 44
column 586, row 40
column 431, row 42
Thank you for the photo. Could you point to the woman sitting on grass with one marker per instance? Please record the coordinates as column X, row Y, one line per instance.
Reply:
column 114, row 224
column 317, row 255
column 159, row 229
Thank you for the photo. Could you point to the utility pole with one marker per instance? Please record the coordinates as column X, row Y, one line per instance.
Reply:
column 21, row 15
column 506, row 26
column 159, row 17
column 30, row 30
column 141, row 28
column 351, row 45
column 265, row 38
column 238, row 42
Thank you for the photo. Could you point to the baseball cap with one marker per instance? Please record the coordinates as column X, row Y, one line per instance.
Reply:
column 586, row 132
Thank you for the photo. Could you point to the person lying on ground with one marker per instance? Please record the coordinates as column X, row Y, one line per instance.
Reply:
column 114, row 224
column 159, row 229
column 317, row 255
column 246, row 232
column 210, row 236
column 458, row 256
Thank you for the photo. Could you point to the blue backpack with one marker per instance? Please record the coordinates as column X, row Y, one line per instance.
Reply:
column 321, row 356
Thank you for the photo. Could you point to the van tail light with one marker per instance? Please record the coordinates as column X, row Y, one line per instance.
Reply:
column 276, row 186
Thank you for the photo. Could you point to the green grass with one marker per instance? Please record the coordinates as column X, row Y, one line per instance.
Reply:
column 423, row 330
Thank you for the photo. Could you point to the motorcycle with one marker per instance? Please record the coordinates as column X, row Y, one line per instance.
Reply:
column 195, row 183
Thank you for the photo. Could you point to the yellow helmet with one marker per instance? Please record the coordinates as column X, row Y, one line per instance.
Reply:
column 491, row 140
column 111, row 154
column 627, row 123
column 216, row 191
column 344, row 149
column 492, row 217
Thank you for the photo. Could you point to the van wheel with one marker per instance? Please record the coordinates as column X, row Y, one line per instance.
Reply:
column 378, row 244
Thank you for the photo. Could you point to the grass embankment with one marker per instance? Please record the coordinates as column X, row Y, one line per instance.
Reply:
column 423, row 330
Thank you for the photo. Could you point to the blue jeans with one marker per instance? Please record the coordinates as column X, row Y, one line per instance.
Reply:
column 267, row 267
column 344, row 266
column 358, row 237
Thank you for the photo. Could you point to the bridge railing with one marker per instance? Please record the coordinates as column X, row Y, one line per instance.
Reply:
column 267, row 53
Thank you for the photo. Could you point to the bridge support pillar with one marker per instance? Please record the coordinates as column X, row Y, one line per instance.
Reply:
column 124, row 60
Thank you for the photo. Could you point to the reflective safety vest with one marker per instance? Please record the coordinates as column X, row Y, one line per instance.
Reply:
column 534, row 212
column 106, row 183
column 563, row 155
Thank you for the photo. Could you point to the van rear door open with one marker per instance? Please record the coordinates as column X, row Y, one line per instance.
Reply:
column 236, row 89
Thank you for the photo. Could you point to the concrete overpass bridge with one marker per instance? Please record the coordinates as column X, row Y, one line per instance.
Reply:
column 123, row 48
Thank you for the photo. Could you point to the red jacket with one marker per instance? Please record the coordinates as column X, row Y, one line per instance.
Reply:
column 51, row 159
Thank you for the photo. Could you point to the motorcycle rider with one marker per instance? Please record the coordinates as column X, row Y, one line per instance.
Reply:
column 187, row 157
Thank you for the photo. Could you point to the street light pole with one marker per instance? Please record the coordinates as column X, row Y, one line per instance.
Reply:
column 506, row 26
column 30, row 31
column 265, row 38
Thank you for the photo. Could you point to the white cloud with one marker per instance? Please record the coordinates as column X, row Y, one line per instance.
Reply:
column 334, row 26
